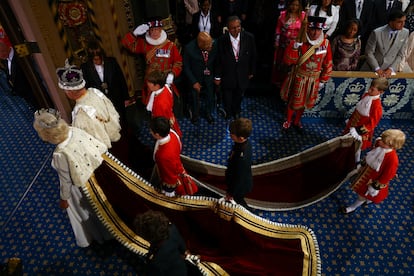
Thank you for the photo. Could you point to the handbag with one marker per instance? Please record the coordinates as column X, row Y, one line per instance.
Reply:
column 186, row 184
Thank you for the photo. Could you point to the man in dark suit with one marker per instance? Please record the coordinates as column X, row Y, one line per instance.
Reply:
column 17, row 82
column 361, row 10
column 236, row 65
column 205, row 20
column 227, row 8
column 382, row 9
column 199, row 58
column 104, row 73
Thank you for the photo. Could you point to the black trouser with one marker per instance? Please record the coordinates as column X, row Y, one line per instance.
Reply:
column 232, row 99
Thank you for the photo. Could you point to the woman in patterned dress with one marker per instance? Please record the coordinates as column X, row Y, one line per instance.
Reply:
column 287, row 29
column 346, row 48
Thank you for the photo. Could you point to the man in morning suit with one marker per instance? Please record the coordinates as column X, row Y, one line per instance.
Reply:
column 199, row 58
column 236, row 65
column 382, row 9
column 386, row 45
column 104, row 73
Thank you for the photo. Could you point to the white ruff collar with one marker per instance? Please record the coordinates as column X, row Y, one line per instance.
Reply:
column 364, row 105
column 157, row 41
column 316, row 41
column 161, row 142
column 152, row 96
column 375, row 157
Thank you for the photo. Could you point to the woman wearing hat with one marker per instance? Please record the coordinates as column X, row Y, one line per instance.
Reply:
column 76, row 156
column 160, row 53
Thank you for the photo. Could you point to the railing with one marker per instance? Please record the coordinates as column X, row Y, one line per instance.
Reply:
column 344, row 90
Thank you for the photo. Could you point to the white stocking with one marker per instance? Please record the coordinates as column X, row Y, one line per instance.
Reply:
column 358, row 156
column 356, row 204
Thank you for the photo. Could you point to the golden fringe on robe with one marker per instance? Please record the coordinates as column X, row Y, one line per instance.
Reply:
column 237, row 214
column 335, row 157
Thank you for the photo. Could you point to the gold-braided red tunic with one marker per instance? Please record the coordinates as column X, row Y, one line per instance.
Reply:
column 164, row 57
column 300, row 89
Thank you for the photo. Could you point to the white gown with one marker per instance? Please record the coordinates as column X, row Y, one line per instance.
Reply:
column 85, row 224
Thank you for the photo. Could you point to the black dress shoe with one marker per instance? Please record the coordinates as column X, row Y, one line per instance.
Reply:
column 194, row 120
column 299, row 128
column 222, row 112
column 210, row 119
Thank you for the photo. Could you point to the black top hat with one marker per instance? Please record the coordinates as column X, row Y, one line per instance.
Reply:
column 316, row 22
column 155, row 21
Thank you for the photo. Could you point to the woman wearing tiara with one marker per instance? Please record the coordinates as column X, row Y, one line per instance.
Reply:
column 75, row 158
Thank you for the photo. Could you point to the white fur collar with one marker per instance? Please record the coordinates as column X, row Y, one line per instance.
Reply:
column 316, row 41
column 158, row 41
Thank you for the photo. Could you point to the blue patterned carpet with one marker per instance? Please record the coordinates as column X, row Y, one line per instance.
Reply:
column 375, row 240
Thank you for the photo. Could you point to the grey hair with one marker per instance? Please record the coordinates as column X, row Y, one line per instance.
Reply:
column 50, row 126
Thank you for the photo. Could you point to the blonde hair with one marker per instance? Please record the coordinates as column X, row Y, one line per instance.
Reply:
column 50, row 128
column 394, row 138
column 380, row 83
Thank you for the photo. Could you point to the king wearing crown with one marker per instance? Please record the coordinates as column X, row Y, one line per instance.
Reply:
column 93, row 111
column 311, row 58
column 160, row 53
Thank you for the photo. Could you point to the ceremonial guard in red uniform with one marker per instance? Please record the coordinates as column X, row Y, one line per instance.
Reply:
column 160, row 53
column 313, row 67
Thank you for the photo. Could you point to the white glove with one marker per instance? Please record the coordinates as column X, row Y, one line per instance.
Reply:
column 170, row 78
column 141, row 29
column 355, row 134
column 297, row 45
column 321, row 86
column 372, row 191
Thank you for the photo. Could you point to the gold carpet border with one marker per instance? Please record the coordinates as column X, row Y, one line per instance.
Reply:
column 276, row 165
column 227, row 211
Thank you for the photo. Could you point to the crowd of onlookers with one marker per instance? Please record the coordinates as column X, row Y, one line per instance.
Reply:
column 348, row 26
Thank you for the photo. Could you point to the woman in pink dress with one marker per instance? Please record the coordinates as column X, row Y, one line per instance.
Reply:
column 287, row 29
